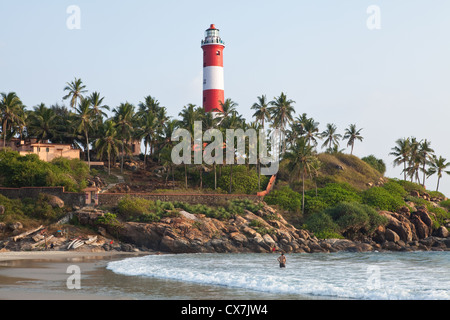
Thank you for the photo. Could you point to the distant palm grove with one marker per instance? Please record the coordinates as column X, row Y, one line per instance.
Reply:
column 85, row 125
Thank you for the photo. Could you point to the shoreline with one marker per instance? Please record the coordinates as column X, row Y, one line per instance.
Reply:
column 43, row 275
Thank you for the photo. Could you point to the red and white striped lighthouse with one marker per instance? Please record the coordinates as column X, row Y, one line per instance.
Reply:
column 213, row 80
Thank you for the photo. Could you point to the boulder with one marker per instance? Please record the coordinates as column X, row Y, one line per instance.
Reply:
column 391, row 235
column 442, row 232
column 54, row 201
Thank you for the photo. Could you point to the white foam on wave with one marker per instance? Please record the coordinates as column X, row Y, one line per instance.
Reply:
column 342, row 276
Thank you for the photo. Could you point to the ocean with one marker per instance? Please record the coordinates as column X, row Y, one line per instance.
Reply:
column 343, row 275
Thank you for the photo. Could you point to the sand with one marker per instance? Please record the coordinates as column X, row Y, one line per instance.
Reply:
column 44, row 275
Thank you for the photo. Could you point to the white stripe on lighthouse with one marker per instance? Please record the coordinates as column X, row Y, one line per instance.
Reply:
column 213, row 78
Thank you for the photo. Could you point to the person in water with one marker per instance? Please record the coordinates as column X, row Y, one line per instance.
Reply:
column 282, row 260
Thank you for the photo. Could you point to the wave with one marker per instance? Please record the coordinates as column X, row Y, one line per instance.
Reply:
column 346, row 276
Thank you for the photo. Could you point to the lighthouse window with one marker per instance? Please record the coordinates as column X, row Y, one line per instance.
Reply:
column 218, row 53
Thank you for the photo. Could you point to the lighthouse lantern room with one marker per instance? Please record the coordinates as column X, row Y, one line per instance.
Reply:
column 213, row 79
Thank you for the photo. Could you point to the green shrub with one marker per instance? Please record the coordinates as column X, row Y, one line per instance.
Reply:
column 377, row 164
column 445, row 204
column 355, row 217
column 395, row 188
column 349, row 219
column 322, row 225
column 411, row 186
column 244, row 180
column 28, row 171
column 382, row 199
column 286, row 198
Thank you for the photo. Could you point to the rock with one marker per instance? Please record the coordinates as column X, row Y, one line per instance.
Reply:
column 442, row 232
column 15, row 226
column 391, row 236
column 415, row 194
column 55, row 201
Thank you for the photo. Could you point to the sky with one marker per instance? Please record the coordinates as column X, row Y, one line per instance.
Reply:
column 339, row 64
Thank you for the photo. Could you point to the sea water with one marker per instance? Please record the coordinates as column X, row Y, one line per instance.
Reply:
column 344, row 275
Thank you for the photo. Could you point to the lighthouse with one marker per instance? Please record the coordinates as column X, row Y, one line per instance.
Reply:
column 213, row 80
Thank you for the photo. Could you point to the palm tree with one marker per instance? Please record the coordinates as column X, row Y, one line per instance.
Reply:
column 302, row 161
column 425, row 153
column 261, row 110
column 84, row 122
column 123, row 118
column 108, row 143
column 148, row 124
column 75, row 89
column 311, row 131
column 414, row 160
column 332, row 138
column 98, row 106
column 438, row 165
column 282, row 114
column 189, row 114
column 10, row 106
column 401, row 151
column 42, row 122
column 352, row 134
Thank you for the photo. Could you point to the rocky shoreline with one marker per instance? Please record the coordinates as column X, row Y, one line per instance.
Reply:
column 267, row 231
column 263, row 231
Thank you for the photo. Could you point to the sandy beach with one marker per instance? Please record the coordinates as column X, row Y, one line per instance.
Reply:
column 44, row 275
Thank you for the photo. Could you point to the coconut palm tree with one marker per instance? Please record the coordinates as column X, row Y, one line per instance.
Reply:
column 108, row 142
column 282, row 112
column 352, row 134
column 401, row 151
column 302, row 161
column 425, row 154
column 331, row 137
column 75, row 89
column 438, row 166
column 84, row 123
column 97, row 106
column 42, row 123
column 414, row 160
column 261, row 110
column 147, row 130
column 124, row 119
column 10, row 106
column 311, row 131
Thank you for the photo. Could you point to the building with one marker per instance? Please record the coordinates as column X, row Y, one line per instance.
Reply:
column 46, row 151
column 213, row 78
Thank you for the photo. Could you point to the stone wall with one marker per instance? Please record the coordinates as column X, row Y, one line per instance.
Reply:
column 111, row 199
column 69, row 198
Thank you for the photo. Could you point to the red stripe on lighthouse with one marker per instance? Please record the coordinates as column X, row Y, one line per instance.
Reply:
column 212, row 99
column 213, row 56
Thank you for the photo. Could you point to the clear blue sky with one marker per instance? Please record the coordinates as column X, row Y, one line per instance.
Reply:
column 393, row 82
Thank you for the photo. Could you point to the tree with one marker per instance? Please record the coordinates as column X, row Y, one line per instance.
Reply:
column 75, row 89
column 98, row 106
column 282, row 114
column 401, row 151
column 261, row 110
column 108, row 142
column 352, row 134
column 302, row 161
column 123, row 117
column 84, row 123
column 330, row 136
column 10, row 106
column 438, row 166
column 148, row 124
column 42, row 123
column 189, row 115
column 425, row 154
